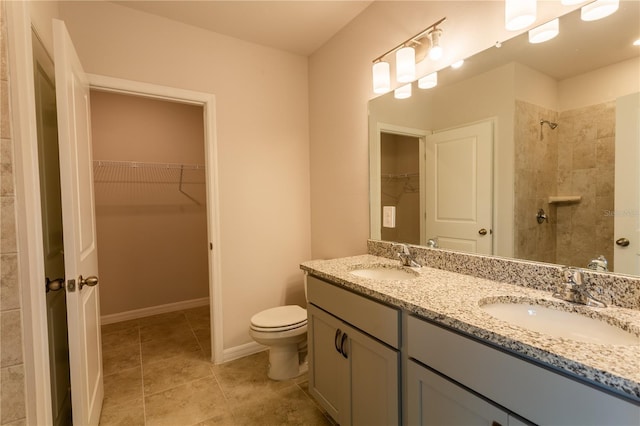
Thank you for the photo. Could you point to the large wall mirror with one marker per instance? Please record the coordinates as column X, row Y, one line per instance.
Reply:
column 528, row 151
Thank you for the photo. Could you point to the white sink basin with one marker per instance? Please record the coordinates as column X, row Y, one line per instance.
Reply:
column 557, row 323
column 384, row 273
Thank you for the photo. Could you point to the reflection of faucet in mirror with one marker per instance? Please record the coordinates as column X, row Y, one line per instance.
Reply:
column 432, row 242
column 599, row 264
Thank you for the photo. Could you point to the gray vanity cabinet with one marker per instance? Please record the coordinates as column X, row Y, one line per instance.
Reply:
column 433, row 400
column 354, row 356
column 477, row 375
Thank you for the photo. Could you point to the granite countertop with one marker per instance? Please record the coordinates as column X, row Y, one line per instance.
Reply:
column 454, row 300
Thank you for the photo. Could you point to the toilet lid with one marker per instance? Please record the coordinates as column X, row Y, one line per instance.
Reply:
column 282, row 316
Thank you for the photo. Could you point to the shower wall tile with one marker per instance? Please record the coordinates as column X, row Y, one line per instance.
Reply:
column 12, row 380
column 587, row 231
column 11, row 332
column 536, row 168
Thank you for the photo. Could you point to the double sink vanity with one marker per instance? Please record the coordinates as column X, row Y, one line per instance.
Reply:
column 455, row 342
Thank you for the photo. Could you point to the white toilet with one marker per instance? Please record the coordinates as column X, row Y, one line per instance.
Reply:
column 284, row 331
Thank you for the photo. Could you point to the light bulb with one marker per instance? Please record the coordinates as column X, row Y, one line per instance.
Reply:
column 544, row 32
column 428, row 81
column 406, row 65
column 457, row 64
column 598, row 9
column 381, row 77
column 571, row 2
column 435, row 53
column 519, row 14
column 402, row 92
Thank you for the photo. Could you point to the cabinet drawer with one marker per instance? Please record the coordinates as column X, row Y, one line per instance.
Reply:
column 531, row 391
column 376, row 319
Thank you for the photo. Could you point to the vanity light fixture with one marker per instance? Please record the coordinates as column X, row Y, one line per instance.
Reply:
column 598, row 9
column 406, row 64
column 405, row 59
column 519, row 14
column 435, row 53
column 381, row 77
column 544, row 32
column 457, row 64
column 402, row 92
column 428, row 81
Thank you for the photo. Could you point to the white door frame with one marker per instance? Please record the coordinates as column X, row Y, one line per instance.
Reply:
column 28, row 208
column 207, row 101
column 375, row 197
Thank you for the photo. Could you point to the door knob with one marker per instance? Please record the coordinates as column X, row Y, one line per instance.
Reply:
column 90, row 281
column 482, row 231
column 54, row 285
column 623, row 242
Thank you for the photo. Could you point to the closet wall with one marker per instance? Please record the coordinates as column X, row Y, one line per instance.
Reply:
column 150, row 211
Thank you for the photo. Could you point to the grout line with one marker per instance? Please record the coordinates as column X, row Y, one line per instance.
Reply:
column 144, row 404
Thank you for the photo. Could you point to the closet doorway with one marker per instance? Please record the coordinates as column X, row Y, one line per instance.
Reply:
column 154, row 169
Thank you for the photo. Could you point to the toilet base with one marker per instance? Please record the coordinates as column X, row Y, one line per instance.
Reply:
column 285, row 362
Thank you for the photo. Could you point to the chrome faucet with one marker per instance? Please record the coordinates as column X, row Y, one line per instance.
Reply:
column 432, row 242
column 599, row 264
column 573, row 289
column 405, row 256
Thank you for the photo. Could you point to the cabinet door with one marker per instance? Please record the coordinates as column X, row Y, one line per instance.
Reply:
column 374, row 369
column 328, row 369
column 434, row 400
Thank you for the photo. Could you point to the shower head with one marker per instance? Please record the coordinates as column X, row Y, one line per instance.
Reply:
column 552, row 125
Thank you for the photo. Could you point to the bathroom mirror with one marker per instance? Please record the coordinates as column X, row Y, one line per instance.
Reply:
column 519, row 150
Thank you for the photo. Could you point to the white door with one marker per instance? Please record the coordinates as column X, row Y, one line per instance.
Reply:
column 78, row 219
column 627, row 186
column 459, row 193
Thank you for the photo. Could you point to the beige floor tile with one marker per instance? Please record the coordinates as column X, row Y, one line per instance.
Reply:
column 169, row 317
column 288, row 406
column 120, row 359
column 165, row 330
column 157, row 350
column 246, row 378
column 128, row 414
column 198, row 318
column 120, row 338
column 225, row 419
column 187, row 404
column 166, row 374
column 117, row 326
column 123, row 387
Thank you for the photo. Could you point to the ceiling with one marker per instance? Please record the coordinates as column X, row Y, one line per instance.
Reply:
column 299, row 27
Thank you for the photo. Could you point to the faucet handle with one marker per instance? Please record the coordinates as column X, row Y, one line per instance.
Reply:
column 573, row 276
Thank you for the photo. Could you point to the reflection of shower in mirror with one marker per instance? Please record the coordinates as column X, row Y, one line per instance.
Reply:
column 551, row 124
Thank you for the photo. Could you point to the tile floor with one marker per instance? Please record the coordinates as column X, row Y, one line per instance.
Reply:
column 157, row 371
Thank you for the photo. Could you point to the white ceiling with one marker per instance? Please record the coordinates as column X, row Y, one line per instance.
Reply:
column 299, row 27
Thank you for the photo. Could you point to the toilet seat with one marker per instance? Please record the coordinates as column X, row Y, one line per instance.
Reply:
column 281, row 318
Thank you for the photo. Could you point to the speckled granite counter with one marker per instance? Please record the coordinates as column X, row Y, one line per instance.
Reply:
column 454, row 300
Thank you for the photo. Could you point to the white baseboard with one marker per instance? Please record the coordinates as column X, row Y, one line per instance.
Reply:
column 153, row 310
column 242, row 351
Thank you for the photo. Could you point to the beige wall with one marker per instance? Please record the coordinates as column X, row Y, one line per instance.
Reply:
column 340, row 86
column 262, row 134
column 152, row 238
column 12, row 373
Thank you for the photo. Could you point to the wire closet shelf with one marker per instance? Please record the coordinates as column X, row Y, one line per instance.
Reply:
column 147, row 173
